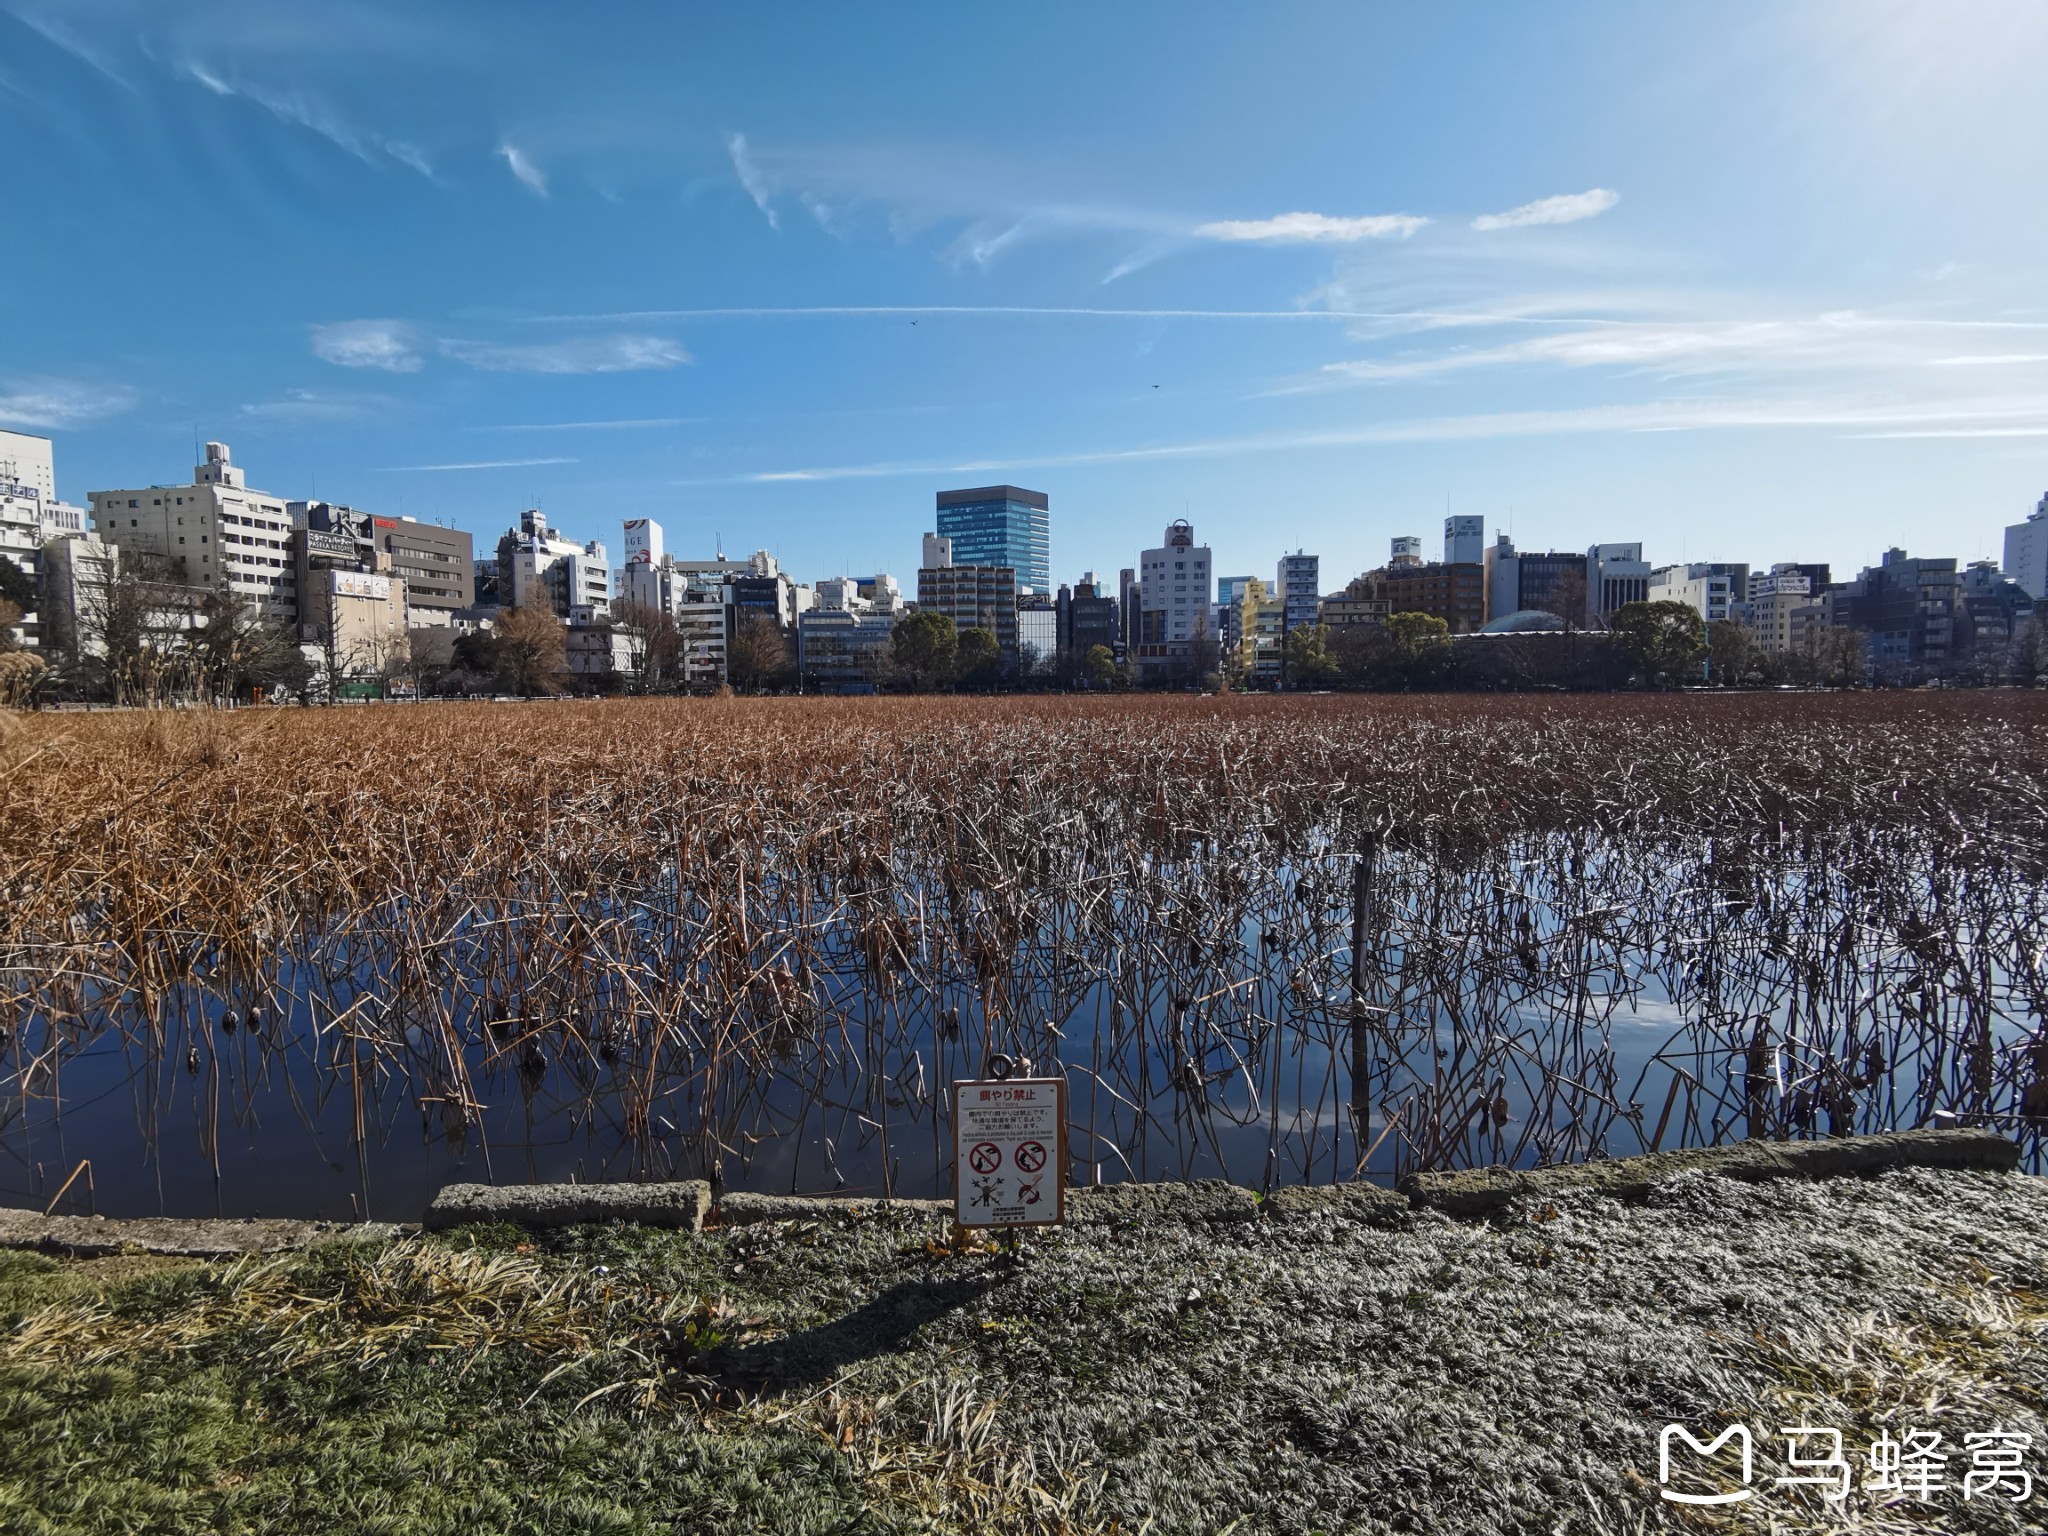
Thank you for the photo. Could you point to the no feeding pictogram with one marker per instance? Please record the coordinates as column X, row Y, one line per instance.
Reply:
column 986, row 1157
column 1031, row 1156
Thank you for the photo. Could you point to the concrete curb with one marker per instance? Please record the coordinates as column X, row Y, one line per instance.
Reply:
column 745, row 1210
column 1478, row 1191
column 681, row 1206
column 98, row 1237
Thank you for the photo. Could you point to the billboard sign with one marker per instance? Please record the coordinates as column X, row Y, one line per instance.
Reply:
column 360, row 584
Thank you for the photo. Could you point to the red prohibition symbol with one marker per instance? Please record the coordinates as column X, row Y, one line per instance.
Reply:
column 1031, row 1156
column 986, row 1157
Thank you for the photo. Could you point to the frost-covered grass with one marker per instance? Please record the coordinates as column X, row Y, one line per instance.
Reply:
column 1307, row 1373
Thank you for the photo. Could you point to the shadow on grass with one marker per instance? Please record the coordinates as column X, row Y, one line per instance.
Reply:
column 817, row 1354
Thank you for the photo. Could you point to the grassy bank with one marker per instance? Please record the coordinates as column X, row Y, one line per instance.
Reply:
column 1312, row 1372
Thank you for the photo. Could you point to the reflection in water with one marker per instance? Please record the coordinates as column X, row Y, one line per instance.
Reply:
column 1268, row 1003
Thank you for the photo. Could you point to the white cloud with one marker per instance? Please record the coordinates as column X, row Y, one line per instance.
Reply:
column 585, row 354
column 305, row 407
column 1566, row 208
column 528, row 173
column 749, row 173
column 1294, row 228
column 385, row 344
column 421, row 469
column 61, row 403
column 309, row 113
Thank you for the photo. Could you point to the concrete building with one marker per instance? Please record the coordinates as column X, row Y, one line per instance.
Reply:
column 938, row 551
column 355, row 620
column 1992, row 608
column 642, row 544
column 1087, row 618
column 1907, row 607
column 1779, row 611
column 538, row 567
column 1464, row 540
column 1173, row 598
column 1038, row 631
column 974, row 597
column 1229, row 592
column 434, row 562
column 1406, row 550
column 76, row 576
column 214, row 534
column 2026, row 552
column 696, row 601
column 1454, row 593
column 31, row 517
column 1298, row 586
column 1517, row 581
column 1344, row 610
column 1000, row 525
column 1615, row 574
column 839, row 651
column 1705, row 589
column 1262, row 634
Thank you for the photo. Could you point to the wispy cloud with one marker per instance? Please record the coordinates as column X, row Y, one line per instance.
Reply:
column 591, row 426
column 1318, row 228
column 588, row 354
column 1566, row 208
column 315, row 116
column 749, row 173
column 1855, row 417
column 528, row 173
column 57, row 35
column 422, row 469
column 385, row 344
column 61, row 403
column 307, row 407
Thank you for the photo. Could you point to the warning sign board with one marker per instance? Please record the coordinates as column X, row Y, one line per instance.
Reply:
column 1010, row 1152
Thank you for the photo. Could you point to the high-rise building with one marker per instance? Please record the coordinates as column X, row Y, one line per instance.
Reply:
column 1407, row 550
column 1298, row 589
column 1710, row 591
column 643, row 541
column 31, row 516
column 1173, row 599
column 1464, row 539
column 1229, row 593
column 1087, row 618
column 536, row 566
column 215, row 534
column 1000, row 525
column 974, row 597
column 938, row 551
column 1906, row 606
column 2026, row 552
column 435, row 563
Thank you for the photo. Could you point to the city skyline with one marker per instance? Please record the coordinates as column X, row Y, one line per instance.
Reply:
column 1728, row 285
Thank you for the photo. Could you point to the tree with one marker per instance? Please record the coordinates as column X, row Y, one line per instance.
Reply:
column 978, row 657
column 654, row 646
column 1414, row 633
column 235, row 651
column 17, row 587
column 1834, row 656
column 1569, row 600
column 10, row 615
column 532, row 650
column 1102, row 668
column 758, row 657
column 1733, row 655
column 925, row 648
column 2029, row 658
column 1309, row 662
column 1663, row 640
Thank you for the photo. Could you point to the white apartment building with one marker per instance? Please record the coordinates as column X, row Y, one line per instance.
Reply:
column 1616, row 574
column 938, row 551
column 2026, row 552
column 1405, row 549
column 1700, row 587
column 1297, row 585
column 536, row 566
column 214, row 533
column 30, row 513
column 1173, row 599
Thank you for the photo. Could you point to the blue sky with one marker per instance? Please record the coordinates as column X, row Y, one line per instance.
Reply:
column 1744, row 282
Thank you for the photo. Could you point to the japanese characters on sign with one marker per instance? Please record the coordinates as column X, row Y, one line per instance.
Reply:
column 1009, row 1152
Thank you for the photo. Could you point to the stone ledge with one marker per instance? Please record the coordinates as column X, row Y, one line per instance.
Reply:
column 1357, row 1202
column 681, row 1205
column 98, row 1237
column 1195, row 1200
column 1478, row 1191
column 744, row 1210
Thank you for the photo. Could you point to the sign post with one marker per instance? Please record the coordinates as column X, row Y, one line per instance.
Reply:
column 1010, row 1152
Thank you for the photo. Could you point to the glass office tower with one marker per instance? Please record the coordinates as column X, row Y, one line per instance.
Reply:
column 1001, row 525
